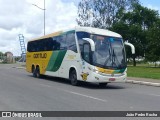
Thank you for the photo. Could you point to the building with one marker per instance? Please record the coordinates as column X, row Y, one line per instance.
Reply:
column 9, row 57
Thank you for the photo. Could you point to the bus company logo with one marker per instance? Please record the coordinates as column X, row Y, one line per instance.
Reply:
column 84, row 76
column 40, row 55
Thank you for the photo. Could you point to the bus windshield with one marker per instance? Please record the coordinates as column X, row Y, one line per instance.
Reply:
column 109, row 52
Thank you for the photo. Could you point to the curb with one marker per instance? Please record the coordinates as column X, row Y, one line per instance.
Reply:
column 143, row 83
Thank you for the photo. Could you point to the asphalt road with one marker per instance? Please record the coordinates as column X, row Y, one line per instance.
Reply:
column 19, row 91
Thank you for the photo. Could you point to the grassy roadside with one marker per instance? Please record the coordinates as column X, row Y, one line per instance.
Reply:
column 144, row 72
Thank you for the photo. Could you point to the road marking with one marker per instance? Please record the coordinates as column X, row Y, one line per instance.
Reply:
column 155, row 95
column 77, row 93
column 144, row 83
column 86, row 96
column 45, row 85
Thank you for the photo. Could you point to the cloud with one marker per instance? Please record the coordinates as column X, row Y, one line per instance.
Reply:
column 8, row 23
column 21, row 17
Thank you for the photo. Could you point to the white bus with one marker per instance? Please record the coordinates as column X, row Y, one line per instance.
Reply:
column 79, row 54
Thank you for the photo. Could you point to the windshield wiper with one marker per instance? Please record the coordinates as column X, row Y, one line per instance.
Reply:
column 114, row 59
column 106, row 61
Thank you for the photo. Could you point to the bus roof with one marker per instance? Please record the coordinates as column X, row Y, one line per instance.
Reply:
column 82, row 29
column 98, row 31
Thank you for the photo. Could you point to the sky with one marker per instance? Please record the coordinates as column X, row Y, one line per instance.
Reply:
column 21, row 17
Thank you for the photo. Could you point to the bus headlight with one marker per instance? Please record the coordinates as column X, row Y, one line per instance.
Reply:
column 95, row 70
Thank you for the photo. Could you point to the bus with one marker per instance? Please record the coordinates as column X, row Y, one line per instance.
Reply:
column 79, row 54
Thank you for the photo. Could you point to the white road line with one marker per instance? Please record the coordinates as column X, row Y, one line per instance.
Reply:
column 86, row 96
column 77, row 93
column 45, row 85
column 155, row 95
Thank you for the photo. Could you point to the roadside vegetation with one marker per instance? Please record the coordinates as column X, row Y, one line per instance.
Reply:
column 144, row 70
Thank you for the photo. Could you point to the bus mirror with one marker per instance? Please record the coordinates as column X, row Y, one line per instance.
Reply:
column 131, row 45
column 91, row 42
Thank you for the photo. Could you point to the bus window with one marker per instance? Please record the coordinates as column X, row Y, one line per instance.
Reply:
column 56, row 45
column 86, row 52
column 62, row 41
column 71, row 43
column 31, row 46
column 80, row 36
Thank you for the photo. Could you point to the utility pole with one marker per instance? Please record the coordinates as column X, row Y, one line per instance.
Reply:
column 44, row 9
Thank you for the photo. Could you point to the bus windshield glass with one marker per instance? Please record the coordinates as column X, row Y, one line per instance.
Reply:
column 109, row 52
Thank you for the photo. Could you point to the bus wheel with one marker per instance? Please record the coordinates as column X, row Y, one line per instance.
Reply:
column 103, row 84
column 38, row 75
column 34, row 71
column 73, row 78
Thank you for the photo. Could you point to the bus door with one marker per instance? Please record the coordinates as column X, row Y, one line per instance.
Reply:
column 86, row 55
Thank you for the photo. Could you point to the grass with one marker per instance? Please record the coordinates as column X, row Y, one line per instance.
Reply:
column 144, row 72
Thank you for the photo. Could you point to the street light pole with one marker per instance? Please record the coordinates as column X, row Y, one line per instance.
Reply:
column 44, row 9
column 44, row 17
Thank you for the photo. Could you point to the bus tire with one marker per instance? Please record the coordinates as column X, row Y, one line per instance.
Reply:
column 33, row 71
column 103, row 84
column 38, row 75
column 73, row 77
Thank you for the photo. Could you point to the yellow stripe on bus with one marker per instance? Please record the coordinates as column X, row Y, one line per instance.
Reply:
column 107, row 71
column 38, row 58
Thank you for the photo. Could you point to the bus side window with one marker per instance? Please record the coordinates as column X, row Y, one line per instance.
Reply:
column 80, row 36
column 45, row 45
column 33, row 46
column 41, row 45
column 86, row 52
column 56, row 45
column 50, row 44
column 29, row 47
column 62, row 42
column 71, row 42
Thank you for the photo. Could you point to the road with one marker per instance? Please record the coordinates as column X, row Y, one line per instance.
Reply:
column 21, row 92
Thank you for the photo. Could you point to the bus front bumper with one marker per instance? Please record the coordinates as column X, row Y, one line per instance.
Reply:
column 107, row 78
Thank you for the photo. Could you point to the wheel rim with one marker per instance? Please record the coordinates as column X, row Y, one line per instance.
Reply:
column 73, row 78
column 34, row 72
column 37, row 73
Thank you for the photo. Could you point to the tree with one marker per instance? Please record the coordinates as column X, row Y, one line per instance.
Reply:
column 134, row 26
column 101, row 13
column 153, row 37
column 1, row 55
